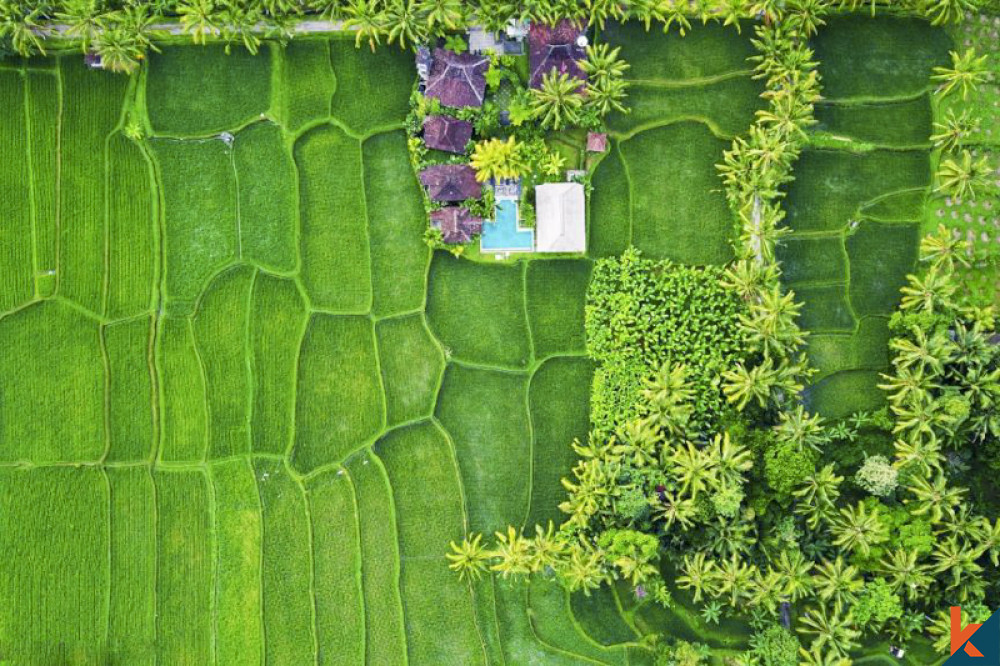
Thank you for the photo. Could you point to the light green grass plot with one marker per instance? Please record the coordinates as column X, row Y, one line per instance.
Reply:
column 130, row 390
column 183, row 401
column 16, row 263
column 411, row 367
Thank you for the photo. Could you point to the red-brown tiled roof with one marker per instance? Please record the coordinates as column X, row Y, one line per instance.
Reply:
column 456, row 223
column 451, row 182
column 447, row 133
column 597, row 142
column 457, row 79
column 555, row 47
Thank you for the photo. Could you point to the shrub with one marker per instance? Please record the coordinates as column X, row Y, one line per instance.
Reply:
column 878, row 476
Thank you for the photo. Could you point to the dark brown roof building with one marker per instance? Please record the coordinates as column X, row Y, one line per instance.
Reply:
column 555, row 47
column 451, row 182
column 458, row 79
column 456, row 223
column 447, row 133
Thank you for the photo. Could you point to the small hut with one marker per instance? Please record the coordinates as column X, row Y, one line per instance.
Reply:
column 451, row 182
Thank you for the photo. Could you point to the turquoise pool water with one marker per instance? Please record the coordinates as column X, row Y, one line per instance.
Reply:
column 503, row 234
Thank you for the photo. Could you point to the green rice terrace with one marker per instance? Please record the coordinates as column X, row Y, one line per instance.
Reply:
column 267, row 397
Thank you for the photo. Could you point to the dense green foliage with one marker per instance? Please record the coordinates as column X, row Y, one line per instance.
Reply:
column 642, row 314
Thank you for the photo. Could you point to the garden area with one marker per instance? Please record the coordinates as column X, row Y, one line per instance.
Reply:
column 274, row 390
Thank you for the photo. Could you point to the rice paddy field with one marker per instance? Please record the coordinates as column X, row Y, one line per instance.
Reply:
column 245, row 408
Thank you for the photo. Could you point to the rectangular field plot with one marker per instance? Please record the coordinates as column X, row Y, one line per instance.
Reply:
column 232, row 89
column 130, row 390
column 16, row 262
column 54, row 541
column 52, row 377
column 184, row 405
column 411, row 366
column 44, row 119
column 678, row 211
column 385, row 641
column 336, row 266
column 556, row 294
column 373, row 89
column 199, row 197
column 900, row 124
column 287, row 567
column 440, row 618
column 307, row 81
column 881, row 257
column 884, row 58
column 185, row 588
column 239, row 628
column 132, row 624
column 340, row 609
column 610, row 212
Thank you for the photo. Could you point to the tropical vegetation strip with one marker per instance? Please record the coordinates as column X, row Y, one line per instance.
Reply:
column 583, row 333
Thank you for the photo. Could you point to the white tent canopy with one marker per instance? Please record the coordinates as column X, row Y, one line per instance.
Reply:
column 560, row 210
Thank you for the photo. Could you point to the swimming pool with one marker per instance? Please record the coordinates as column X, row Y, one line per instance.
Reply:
column 504, row 234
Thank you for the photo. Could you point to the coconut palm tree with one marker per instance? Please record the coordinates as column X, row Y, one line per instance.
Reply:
column 119, row 49
column 921, row 451
column 909, row 385
column 729, row 460
column 20, row 24
column 967, row 71
column 771, row 325
column 735, row 579
column 238, row 23
column 831, row 630
column 858, row 529
column 442, row 15
column 469, row 558
column 603, row 10
column 583, row 570
column 673, row 13
column 640, row 444
column 795, row 573
column 753, row 383
column 806, row 16
column 403, row 22
column 945, row 249
column 547, row 548
column 933, row 498
column 499, row 159
column 800, row 428
column 768, row 590
column 668, row 398
column 83, row 19
column 670, row 508
column 930, row 353
column 558, row 101
column 965, row 177
column 837, row 582
column 944, row 11
column 789, row 114
column 817, row 496
column 694, row 469
column 198, row 19
column 512, row 553
column 904, row 572
column 957, row 558
column 366, row 18
column 954, row 129
column 699, row 575
column 747, row 277
column 930, row 293
column 817, row 657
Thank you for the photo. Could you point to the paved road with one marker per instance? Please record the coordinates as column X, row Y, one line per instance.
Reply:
column 304, row 27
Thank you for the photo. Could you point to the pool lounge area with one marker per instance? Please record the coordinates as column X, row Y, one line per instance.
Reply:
column 504, row 234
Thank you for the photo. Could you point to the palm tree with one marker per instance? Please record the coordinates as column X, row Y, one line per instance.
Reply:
column 547, row 548
column 831, row 630
column 498, row 159
column 789, row 114
column 909, row 385
column 858, row 529
column 83, row 20
column 238, row 25
column 728, row 460
column 967, row 71
column 670, row 509
column 693, row 468
column 582, row 570
column 957, row 558
column 602, row 10
column 904, row 573
column 674, row 14
column 817, row 657
column 198, row 18
column 798, row 427
column 933, row 499
column 954, row 130
column 21, row 27
column 921, row 451
column 513, row 554
column 442, row 15
column 771, row 324
column 403, row 22
column 640, row 443
column 735, row 579
column 558, row 101
column 818, row 495
column 944, row 11
column 930, row 293
column 806, row 16
column 469, row 558
column 365, row 17
column 607, row 95
column 745, row 384
column 699, row 575
column 794, row 572
column 119, row 49
column 837, row 582
column 748, row 277
column 963, row 178
column 668, row 397
column 768, row 590
column 929, row 352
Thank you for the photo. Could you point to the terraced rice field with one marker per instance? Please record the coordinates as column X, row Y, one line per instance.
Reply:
column 856, row 205
column 245, row 408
